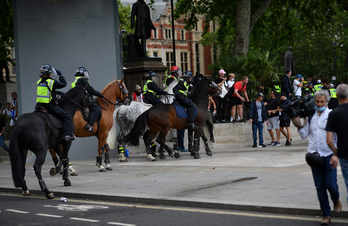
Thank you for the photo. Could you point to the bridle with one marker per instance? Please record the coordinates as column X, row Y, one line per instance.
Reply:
column 193, row 90
column 81, row 108
column 118, row 103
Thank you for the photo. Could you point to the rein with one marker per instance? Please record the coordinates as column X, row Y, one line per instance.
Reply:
column 77, row 104
column 125, row 94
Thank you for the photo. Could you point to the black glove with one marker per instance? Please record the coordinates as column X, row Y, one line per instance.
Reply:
column 59, row 92
column 58, row 72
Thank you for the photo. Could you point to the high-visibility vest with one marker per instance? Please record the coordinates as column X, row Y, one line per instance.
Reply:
column 43, row 93
column 146, row 89
column 73, row 85
column 186, row 87
column 277, row 88
column 310, row 91
column 333, row 93
column 318, row 87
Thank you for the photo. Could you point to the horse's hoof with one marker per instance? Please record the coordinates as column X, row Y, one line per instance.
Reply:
column 171, row 154
column 177, row 155
column 108, row 167
column 192, row 153
column 67, row 183
column 102, row 169
column 162, row 156
column 26, row 193
column 53, row 172
column 153, row 160
column 124, row 160
column 209, row 153
column 50, row 196
column 73, row 171
column 196, row 156
column 153, row 154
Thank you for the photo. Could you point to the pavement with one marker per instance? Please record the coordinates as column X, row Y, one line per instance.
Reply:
column 271, row 179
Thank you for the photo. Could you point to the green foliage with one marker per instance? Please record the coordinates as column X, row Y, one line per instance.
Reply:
column 125, row 15
column 5, row 117
column 6, row 29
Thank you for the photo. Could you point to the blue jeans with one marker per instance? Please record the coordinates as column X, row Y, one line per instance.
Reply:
column 2, row 144
column 181, row 134
column 258, row 125
column 325, row 178
column 344, row 168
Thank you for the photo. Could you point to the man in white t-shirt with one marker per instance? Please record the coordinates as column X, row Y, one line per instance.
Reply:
column 298, row 84
column 230, row 82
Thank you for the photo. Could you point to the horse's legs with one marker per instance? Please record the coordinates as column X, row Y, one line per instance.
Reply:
column 190, row 140
column 175, row 143
column 153, row 149
column 161, row 139
column 120, row 150
column 57, row 164
column 196, row 144
column 205, row 140
column 107, row 157
column 148, row 136
column 24, row 186
column 65, row 177
column 39, row 161
column 100, row 159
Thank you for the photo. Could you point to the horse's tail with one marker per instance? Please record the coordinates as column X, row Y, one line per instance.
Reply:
column 16, row 159
column 138, row 129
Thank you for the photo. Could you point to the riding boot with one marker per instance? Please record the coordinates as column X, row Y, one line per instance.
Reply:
column 191, row 126
column 89, row 128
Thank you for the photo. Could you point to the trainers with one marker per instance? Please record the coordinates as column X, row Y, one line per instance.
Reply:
column 261, row 146
column 212, row 139
column 276, row 144
column 337, row 206
column 89, row 128
column 287, row 143
column 242, row 120
column 224, row 121
column 237, row 120
column 254, row 146
column 183, row 149
column 272, row 143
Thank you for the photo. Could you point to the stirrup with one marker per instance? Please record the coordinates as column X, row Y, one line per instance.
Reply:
column 89, row 128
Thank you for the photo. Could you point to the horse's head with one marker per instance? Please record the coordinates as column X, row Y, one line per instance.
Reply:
column 124, row 94
column 79, row 97
column 212, row 88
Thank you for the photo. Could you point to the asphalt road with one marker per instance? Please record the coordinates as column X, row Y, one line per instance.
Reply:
column 16, row 210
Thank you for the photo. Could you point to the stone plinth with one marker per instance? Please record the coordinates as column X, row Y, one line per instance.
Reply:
column 135, row 72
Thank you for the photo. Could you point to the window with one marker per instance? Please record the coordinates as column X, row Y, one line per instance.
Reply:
column 196, row 26
column 182, row 35
column 154, row 33
column 155, row 54
column 169, row 33
column 184, row 63
column 169, row 60
column 197, row 58
column 166, row 32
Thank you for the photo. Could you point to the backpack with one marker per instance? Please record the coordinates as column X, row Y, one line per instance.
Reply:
column 231, row 91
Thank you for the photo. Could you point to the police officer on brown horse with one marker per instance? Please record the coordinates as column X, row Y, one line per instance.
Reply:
column 181, row 91
column 81, row 78
column 151, row 90
column 46, row 92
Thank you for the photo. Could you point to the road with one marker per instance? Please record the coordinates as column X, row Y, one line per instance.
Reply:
column 16, row 210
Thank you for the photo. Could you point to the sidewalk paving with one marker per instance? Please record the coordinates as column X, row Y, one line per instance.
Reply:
column 271, row 179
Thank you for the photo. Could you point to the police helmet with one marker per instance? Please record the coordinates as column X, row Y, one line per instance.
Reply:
column 175, row 69
column 187, row 75
column 81, row 71
column 314, row 160
column 46, row 69
column 150, row 75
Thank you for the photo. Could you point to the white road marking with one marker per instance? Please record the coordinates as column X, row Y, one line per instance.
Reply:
column 83, row 219
column 16, row 211
column 48, row 215
column 121, row 224
column 67, row 207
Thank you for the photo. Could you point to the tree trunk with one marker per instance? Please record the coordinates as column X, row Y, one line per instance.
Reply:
column 245, row 23
column 241, row 41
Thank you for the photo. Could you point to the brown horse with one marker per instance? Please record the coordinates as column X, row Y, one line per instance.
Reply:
column 115, row 90
column 162, row 117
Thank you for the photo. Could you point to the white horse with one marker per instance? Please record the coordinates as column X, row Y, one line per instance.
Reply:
column 126, row 116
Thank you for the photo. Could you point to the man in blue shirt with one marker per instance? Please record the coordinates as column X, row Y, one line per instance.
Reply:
column 257, row 116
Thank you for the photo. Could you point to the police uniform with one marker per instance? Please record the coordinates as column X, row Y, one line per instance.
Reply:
column 333, row 99
column 181, row 90
column 318, row 87
column 46, row 90
column 151, row 92
column 95, row 111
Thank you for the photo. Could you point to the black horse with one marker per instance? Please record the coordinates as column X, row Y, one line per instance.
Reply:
column 35, row 132
column 162, row 117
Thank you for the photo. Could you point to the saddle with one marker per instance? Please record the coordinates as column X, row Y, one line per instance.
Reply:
column 181, row 111
column 54, row 119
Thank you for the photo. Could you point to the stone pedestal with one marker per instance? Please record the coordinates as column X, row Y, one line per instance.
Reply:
column 136, row 72
column 5, row 93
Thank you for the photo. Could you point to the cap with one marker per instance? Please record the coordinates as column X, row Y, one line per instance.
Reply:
column 260, row 95
column 299, row 76
column 137, row 87
column 318, row 81
column 330, row 86
column 282, row 94
column 222, row 71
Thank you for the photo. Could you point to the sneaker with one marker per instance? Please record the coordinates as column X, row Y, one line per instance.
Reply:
column 212, row 139
column 261, row 146
column 89, row 128
column 254, row 145
column 276, row 144
column 224, row 121
column 287, row 143
column 237, row 120
column 272, row 143
column 242, row 120
column 183, row 150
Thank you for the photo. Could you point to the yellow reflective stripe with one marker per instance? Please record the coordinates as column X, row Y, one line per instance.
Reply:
column 73, row 85
column 333, row 93
column 186, row 86
column 43, row 91
column 146, row 89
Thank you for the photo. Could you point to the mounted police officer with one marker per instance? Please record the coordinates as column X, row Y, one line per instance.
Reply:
column 46, row 92
column 175, row 72
column 181, row 91
column 333, row 103
column 81, row 79
column 151, row 90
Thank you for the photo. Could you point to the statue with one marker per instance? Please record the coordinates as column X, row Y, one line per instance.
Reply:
column 289, row 61
column 143, row 25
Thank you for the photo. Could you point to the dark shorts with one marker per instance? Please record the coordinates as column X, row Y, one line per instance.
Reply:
column 235, row 101
column 284, row 123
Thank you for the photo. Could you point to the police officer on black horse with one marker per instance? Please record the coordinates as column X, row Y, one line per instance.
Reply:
column 81, row 78
column 46, row 92
column 151, row 90
column 181, row 91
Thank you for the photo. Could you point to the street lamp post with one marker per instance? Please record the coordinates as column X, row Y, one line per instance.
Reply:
column 123, row 34
column 173, row 31
column 334, row 44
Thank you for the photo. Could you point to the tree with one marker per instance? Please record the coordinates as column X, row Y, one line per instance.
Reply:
column 6, row 30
